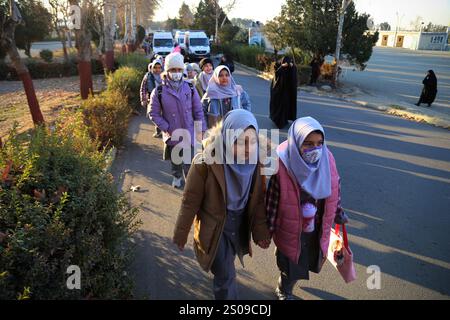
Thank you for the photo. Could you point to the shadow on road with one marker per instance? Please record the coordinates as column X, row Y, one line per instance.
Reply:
column 163, row 272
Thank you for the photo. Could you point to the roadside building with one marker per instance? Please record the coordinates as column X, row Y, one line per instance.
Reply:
column 415, row 40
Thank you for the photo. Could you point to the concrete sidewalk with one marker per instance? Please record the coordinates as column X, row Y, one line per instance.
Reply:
column 160, row 270
column 365, row 99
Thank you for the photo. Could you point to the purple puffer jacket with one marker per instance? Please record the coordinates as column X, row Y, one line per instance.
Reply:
column 179, row 110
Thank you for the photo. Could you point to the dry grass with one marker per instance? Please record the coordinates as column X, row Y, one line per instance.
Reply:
column 53, row 95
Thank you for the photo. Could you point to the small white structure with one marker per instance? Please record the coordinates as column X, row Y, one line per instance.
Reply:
column 414, row 40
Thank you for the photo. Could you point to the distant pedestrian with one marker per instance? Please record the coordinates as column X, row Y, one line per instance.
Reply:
column 225, row 201
column 283, row 93
column 189, row 73
column 151, row 80
column 222, row 96
column 202, row 79
column 302, row 202
column 176, row 48
column 227, row 60
column 315, row 64
column 429, row 90
column 176, row 105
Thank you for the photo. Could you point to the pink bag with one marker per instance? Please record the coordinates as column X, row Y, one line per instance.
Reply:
column 340, row 255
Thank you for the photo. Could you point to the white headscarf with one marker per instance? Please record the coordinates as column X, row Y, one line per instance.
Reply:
column 217, row 91
column 315, row 179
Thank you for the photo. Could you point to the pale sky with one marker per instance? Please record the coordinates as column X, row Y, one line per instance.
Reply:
column 435, row 11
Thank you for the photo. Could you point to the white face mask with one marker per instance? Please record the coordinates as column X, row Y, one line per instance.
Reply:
column 312, row 155
column 176, row 76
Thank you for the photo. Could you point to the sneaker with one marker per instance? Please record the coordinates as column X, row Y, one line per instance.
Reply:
column 157, row 135
column 283, row 296
column 176, row 183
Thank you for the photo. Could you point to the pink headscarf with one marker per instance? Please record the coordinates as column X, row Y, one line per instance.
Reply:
column 177, row 49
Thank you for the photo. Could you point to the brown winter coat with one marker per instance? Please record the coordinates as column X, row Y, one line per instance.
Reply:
column 204, row 204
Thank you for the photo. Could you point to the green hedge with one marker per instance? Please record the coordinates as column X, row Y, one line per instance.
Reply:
column 133, row 60
column 251, row 56
column 59, row 207
column 257, row 58
column 40, row 70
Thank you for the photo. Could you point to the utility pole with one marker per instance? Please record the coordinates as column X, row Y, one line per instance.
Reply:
column 344, row 6
column 397, row 28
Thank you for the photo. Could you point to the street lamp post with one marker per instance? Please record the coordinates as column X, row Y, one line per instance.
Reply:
column 420, row 35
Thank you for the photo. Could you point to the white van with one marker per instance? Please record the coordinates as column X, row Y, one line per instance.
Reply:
column 197, row 44
column 162, row 43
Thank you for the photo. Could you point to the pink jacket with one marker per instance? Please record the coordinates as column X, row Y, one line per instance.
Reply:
column 288, row 222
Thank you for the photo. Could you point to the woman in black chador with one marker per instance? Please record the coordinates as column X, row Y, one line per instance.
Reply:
column 429, row 89
column 283, row 93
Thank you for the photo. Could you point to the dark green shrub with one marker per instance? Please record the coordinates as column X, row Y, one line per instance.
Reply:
column 59, row 207
column 134, row 60
column 303, row 74
column 126, row 80
column 107, row 117
column 46, row 55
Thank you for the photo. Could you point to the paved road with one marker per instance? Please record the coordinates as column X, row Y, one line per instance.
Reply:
column 396, row 189
column 397, row 74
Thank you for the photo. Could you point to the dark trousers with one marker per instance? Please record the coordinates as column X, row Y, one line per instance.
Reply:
column 177, row 170
column 309, row 260
column 223, row 269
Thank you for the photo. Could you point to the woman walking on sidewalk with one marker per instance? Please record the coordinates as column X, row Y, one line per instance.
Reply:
column 222, row 96
column 302, row 201
column 429, row 90
column 283, row 93
column 151, row 80
column 225, row 201
column 176, row 105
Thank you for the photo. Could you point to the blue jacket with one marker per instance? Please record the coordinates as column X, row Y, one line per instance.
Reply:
column 218, row 107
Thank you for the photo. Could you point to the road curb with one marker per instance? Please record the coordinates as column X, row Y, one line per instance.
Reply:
column 404, row 111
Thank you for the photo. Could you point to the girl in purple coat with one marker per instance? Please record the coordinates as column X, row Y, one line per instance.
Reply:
column 176, row 105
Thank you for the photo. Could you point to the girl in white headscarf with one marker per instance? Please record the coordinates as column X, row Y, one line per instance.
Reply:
column 151, row 80
column 223, row 95
column 302, row 202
